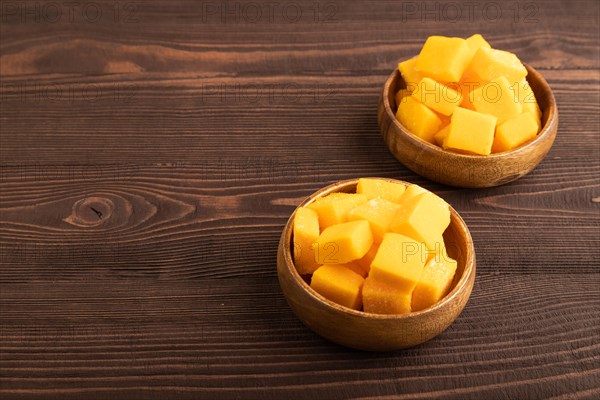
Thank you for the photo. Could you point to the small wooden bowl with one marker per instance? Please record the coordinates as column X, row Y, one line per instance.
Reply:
column 470, row 171
column 375, row 332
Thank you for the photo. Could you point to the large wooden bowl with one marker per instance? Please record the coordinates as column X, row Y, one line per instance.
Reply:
column 470, row 171
column 366, row 331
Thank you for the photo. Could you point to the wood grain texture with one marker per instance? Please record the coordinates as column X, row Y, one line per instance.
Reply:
column 150, row 159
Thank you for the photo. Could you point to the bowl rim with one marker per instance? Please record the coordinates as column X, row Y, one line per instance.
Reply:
column 468, row 271
column 545, row 131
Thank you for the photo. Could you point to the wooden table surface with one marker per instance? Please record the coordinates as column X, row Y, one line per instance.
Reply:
column 151, row 153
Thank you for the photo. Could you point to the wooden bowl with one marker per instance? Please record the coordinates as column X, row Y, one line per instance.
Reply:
column 375, row 332
column 470, row 171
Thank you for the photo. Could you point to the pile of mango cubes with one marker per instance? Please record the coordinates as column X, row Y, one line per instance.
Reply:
column 379, row 250
column 466, row 97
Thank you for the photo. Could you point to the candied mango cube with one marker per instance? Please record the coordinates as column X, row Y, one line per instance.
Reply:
column 496, row 98
column 374, row 188
column 475, row 42
column 437, row 96
column 399, row 262
column 434, row 283
column 410, row 75
column 306, row 232
column 444, row 58
column 379, row 212
column 439, row 251
column 342, row 243
column 489, row 64
column 528, row 101
column 471, row 132
column 355, row 267
column 515, row 132
column 338, row 284
column 418, row 118
column 423, row 218
column 367, row 259
column 412, row 191
column 441, row 135
column 380, row 298
column 333, row 209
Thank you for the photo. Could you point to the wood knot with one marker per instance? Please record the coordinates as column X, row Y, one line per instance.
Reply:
column 91, row 211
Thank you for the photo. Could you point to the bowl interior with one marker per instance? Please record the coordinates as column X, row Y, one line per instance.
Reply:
column 457, row 238
column 540, row 87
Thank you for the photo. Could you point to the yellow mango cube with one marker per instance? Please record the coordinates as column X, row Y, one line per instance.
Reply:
column 306, row 232
column 437, row 96
column 441, row 135
column 378, row 212
column 333, row 209
column 515, row 132
column 367, row 259
column 409, row 74
column 434, row 283
column 342, row 243
column 528, row 101
column 475, row 42
column 471, row 132
column 412, row 191
column 423, row 218
column 399, row 262
column 439, row 251
column 444, row 58
column 489, row 64
column 418, row 118
column 338, row 284
column 380, row 298
column 496, row 98
column 374, row 188
column 355, row 267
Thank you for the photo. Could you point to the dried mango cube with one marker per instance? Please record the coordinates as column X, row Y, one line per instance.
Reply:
column 515, row 132
column 444, row 58
column 471, row 131
column 410, row 75
column 412, row 191
column 439, row 251
column 378, row 212
column 489, row 64
column 342, row 243
column 333, row 209
column 475, row 42
column 418, row 118
column 437, row 96
column 338, row 284
column 373, row 188
column 381, row 298
column 441, row 135
column 355, row 267
column 399, row 262
column 367, row 259
column 496, row 98
column 306, row 232
column 528, row 101
column 423, row 218
column 434, row 283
